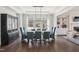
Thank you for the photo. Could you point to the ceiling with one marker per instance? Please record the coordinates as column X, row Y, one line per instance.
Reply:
column 31, row 9
column 74, row 10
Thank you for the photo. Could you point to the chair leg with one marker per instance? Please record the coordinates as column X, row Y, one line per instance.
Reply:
column 32, row 41
column 54, row 37
column 28, row 41
column 35, row 40
column 44, row 41
column 40, row 41
column 48, row 39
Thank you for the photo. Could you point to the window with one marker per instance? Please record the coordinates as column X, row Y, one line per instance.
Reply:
column 30, row 23
column 37, row 22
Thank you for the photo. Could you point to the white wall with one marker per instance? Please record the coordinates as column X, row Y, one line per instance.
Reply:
column 20, row 20
column 25, row 21
column 51, row 21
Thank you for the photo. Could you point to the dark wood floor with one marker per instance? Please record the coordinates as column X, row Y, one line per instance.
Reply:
column 60, row 45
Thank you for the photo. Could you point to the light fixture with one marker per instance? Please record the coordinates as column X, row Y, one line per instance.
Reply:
column 39, row 11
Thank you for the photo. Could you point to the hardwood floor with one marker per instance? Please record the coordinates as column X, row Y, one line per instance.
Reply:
column 59, row 45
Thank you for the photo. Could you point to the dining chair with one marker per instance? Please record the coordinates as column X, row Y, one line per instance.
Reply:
column 51, row 32
column 46, row 36
column 22, row 32
column 54, row 33
column 38, row 29
column 25, row 32
column 38, row 36
column 33, row 29
column 43, row 29
column 30, row 36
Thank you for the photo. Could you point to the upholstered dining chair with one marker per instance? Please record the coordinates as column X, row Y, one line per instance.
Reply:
column 25, row 32
column 52, row 35
column 30, row 36
column 22, row 32
column 46, row 36
column 38, row 36
column 51, row 32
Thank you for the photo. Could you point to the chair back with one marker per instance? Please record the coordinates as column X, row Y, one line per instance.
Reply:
column 46, row 35
column 22, row 32
column 43, row 29
column 38, row 29
column 25, row 32
column 38, row 35
column 24, row 29
column 33, row 29
column 54, row 30
column 53, row 33
column 30, row 35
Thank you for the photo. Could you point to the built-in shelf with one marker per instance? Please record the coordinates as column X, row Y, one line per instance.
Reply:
column 62, row 22
column 9, row 29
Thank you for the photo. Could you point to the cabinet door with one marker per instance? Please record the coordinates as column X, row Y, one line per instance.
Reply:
column 9, row 26
column 4, row 35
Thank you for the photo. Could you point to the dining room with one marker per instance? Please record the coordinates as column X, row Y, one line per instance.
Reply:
column 38, row 28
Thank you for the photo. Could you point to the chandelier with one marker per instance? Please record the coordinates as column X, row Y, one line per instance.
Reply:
column 40, row 7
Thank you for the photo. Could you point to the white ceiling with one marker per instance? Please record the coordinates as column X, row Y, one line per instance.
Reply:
column 44, row 10
column 74, row 10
